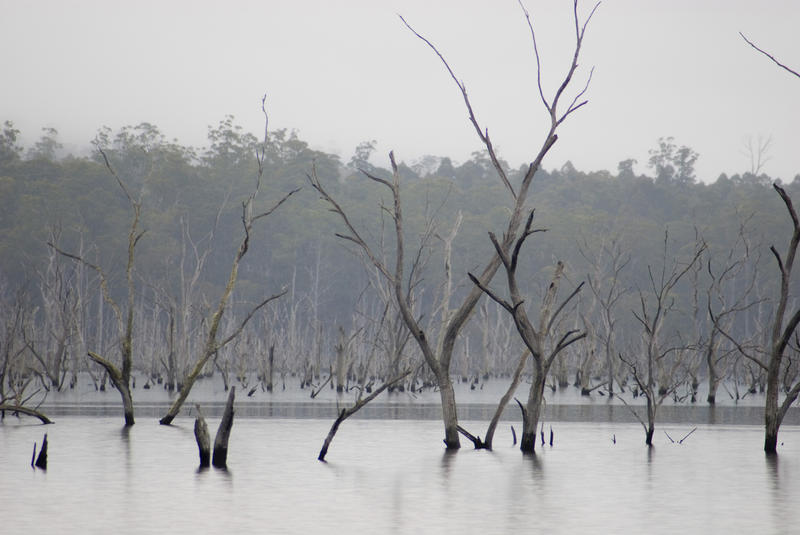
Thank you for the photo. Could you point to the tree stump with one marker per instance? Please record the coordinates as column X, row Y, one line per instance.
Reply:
column 41, row 460
column 203, row 439
column 220, row 457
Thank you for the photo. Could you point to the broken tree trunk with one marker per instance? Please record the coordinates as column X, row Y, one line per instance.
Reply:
column 220, row 458
column 203, row 439
column 41, row 460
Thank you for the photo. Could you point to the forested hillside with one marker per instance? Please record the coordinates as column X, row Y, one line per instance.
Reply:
column 191, row 202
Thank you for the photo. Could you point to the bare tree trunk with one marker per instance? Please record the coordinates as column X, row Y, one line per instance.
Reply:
column 532, row 410
column 512, row 387
column 271, row 367
column 438, row 354
column 203, row 439
column 346, row 413
column 211, row 345
column 220, row 457
column 780, row 333
column 449, row 411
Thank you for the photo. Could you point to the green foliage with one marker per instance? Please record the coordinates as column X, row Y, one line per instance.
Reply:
column 186, row 194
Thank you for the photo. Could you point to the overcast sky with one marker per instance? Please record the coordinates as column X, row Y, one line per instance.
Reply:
column 345, row 71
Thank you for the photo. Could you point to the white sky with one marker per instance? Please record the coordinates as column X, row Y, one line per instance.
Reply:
column 345, row 71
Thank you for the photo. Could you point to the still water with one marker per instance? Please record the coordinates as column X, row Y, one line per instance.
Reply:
column 393, row 476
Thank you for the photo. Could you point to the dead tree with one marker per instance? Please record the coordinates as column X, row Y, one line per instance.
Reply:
column 348, row 412
column 654, row 307
column 15, row 363
column 541, row 340
column 184, row 324
column 729, row 293
column 783, row 327
column 219, row 458
column 50, row 341
column 202, row 438
column 120, row 376
column 212, row 345
column 438, row 354
column 772, row 358
column 40, row 461
column 607, row 264
column 220, row 452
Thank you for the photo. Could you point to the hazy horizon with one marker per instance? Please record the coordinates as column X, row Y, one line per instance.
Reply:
column 347, row 72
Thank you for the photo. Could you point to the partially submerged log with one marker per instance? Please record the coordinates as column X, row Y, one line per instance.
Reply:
column 476, row 441
column 346, row 413
column 19, row 409
column 220, row 457
column 203, row 439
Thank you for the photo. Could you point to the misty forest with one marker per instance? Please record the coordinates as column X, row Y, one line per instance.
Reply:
column 269, row 268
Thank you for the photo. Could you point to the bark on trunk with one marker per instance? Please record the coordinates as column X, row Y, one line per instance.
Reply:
column 515, row 380
column 771, row 417
column 271, row 370
column 25, row 410
column 121, row 381
column 532, row 411
column 449, row 413
column 346, row 413
column 328, row 439
column 203, row 439
column 649, row 435
column 186, row 387
column 220, row 458
column 651, row 419
column 127, row 404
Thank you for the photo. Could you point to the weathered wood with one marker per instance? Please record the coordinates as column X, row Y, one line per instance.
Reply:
column 331, row 433
column 512, row 387
column 203, row 438
column 346, row 413
column 476, row 441
column 41, row 460
column 212, row 345
column 271, row 368
column 25, row 410
column 120, row 382
column 220, row 457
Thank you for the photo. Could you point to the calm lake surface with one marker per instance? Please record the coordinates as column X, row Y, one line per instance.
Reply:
column 393, row 476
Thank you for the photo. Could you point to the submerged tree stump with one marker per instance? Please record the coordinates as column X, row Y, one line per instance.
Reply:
column 203, row 439
column 220, row 457
column 41, row 460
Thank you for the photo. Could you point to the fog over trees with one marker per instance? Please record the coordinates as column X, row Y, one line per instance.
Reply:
column 380, row 277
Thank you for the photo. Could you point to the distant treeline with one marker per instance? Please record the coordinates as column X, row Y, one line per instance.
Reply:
column 192, row 200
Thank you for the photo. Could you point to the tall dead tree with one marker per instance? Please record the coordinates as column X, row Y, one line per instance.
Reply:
column 783, row 327
column 541, row 340
column 608, row 263
column 729, row 293
column 212, row 344
column 120, row 376
column 659, row 358
column 438, row 354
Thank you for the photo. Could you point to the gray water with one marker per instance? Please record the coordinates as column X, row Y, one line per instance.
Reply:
column 393, row 476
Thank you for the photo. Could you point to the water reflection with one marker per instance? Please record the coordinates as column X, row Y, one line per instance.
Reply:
column 395, row 476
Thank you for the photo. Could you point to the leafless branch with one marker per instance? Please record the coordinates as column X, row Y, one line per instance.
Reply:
column 770, row 56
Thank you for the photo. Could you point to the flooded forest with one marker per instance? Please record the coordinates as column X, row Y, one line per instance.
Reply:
column 260, row 263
